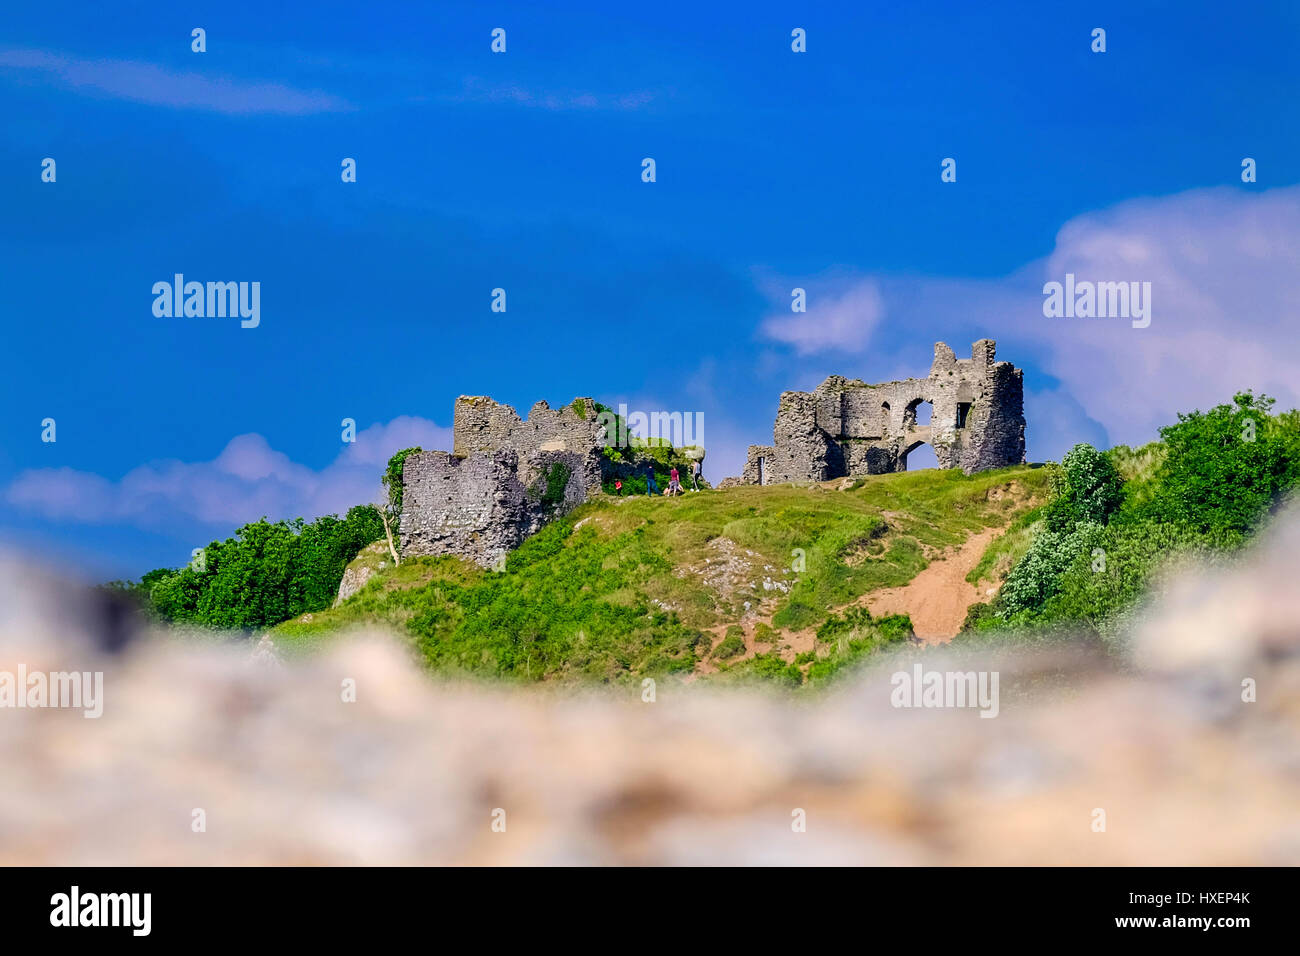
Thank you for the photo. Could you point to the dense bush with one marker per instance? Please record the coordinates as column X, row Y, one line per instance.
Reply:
column 1103, row 581
column 732, row 643
column 1226, row 468
column 267, row 573
column 1209, row 484
column 1037, row 577
column 552, row 485
column 1086, row 488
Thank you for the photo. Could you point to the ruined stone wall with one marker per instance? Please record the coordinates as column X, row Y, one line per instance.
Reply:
column 484, row 505
column 480, row 424
column 473, row 507
column 754, row 464
column 848, row 427
column 493, row 491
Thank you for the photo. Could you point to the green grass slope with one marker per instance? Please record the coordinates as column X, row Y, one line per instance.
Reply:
column 624, row 588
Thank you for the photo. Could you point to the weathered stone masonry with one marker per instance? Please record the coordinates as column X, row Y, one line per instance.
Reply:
column 491, row 492
column 847, row 427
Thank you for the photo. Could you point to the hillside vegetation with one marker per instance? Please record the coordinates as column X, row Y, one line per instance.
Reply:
column 1084, row 560
column 623, row 588
column 267, row 572
column 774, row 582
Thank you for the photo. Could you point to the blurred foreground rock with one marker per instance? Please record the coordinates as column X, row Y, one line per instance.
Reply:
column 287, row 772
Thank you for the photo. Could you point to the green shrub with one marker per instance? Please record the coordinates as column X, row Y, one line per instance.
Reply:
column 1087, row 488
column 269, row 572
column 732, row 644
column 1208, row 485
column 555, row 480
column 767, row 669
column 847, row 638
column 1226, row 468
column 1037, row 576
column 1098, row 585
column 976, row 615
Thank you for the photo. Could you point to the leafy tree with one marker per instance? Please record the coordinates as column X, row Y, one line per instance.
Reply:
column 1226, row 468
column 1037, row 576
column 267, row 573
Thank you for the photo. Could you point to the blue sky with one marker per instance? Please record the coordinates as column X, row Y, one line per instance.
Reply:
column 522, row 171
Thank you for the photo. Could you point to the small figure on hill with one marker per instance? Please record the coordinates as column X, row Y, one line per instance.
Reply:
column 674, row 482
column 651, row 486
column 618, row 487
column 695, row 475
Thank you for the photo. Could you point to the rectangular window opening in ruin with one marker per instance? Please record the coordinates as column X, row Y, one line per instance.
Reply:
column 963, row 409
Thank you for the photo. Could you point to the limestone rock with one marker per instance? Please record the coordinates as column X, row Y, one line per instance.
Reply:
column 362, row 568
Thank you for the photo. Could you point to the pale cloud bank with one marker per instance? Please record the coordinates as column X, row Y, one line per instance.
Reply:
column 1225, row 306
column 149, row 83
column 247, row 480
column 841, row 322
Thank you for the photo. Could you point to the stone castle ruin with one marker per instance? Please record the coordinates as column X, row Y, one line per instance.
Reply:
column 507, row 476
column 845, row 427
column 504, row 478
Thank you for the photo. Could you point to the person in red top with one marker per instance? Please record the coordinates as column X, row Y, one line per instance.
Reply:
column 674, row 482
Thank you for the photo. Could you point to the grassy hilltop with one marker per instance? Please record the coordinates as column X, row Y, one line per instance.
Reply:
column 785, row 582
column 623, row 588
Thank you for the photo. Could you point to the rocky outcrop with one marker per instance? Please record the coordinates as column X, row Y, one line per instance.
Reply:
column 369, row 561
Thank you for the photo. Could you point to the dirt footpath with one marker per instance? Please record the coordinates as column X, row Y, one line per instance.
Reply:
column 937, row 599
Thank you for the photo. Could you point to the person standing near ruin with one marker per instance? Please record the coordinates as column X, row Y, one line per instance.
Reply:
column 651, row 486
column 695, row 475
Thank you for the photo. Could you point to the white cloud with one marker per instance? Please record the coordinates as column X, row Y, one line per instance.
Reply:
column 247, row 480
column 835, row 321
column 1225, row 306
column 157, row 85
